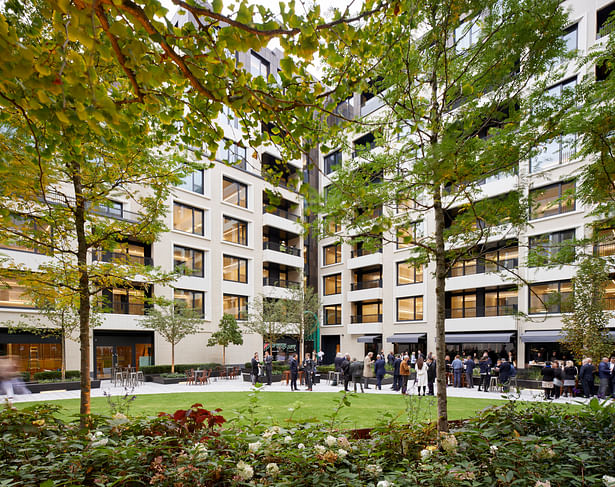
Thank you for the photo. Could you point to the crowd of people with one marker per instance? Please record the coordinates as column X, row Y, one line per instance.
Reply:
column 564, row 378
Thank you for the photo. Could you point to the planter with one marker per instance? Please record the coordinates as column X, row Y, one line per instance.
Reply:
column 168, row 380
column 73, row 385
column 261, row 378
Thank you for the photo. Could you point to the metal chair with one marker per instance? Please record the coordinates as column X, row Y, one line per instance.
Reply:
column 190, row 376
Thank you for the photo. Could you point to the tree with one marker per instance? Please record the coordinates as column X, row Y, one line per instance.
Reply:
column 228, row 332
column 173, row 322
column 300, row 312
column 585, row 327
column 458, row 79
column 267, row 318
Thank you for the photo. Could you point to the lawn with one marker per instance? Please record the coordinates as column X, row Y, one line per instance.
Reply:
column 365, row 410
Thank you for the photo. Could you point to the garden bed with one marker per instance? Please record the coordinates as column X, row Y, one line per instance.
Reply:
column 159, row 379
column 70, row 385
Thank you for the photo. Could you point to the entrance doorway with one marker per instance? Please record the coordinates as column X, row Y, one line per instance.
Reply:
column 117, row 349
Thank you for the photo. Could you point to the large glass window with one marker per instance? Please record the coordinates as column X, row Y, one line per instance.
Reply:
column 332, row 254
column 549, row 297
column 13, row 295
column 258, row 66
column 465, row 268
column 333, row 161
column 28, row 227
column 498, row 260
column 332, row 315
column 234, row 155
column 409, row 273
column 234, row 192
column 235, row 269
column 463, row 306
column 194, row 182
column 410, row 309
column 570, row 38
column 235, row 231
column 127, row 301
column 188, row 261
column 549, row 248
column 194, row 300
column 236, row 306
column 188, row 219
column 332, row 284
column 467, row 34
column 552, row 200
column 501, row 302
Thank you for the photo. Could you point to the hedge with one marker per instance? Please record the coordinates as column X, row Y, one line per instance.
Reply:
column 56, row 375
column 179, row 368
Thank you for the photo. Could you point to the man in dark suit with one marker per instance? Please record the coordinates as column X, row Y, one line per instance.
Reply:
column 586, row 377
column 345, row 368
column 505, row 373
column 268, row 361
column 254, row 373
column 396, row 376
column 294, row 371
column 431, row 375
column 469, row 363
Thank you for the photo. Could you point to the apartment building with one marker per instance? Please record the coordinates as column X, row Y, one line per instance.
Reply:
column 373, row 300
column 229, row 242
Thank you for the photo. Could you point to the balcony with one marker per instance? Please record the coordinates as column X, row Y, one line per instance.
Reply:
column 358, row 286
column 360, row 319
column 283, row 283
column 123, row 308
column 282, row 213
column 121, row 258
column 484, row 267
column 604, row 249
column 481, row 311
column 286, row 249
column 362, row 252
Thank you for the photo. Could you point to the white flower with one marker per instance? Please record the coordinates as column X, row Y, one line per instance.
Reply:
column 342, row 453
column 320, row 449
column 254, row 447
column 272, row 469
column 288, row 439
column 331, row 441
column 384, row 483
column 539, row 483
column 200, row 450
column 425, row 454
column 608, row 481
column 267, row 434
column 300, row 446
column 448, row 442
column 375, row 470
column 493, row 449
column 244, row 471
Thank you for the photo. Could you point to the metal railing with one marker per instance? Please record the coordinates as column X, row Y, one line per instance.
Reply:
column 357, row 286
column 121, row 258
column 267, row 281
column 286, row 249
column 481, row 311
column 604, row 249
column 366, row 318
column 283, row 213
column 362, row 252
column 483, row 267
column 123, row 308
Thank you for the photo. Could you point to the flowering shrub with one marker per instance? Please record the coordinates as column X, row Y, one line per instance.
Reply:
column 529, row 446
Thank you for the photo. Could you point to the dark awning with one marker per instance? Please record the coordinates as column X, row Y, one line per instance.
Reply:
column 541, row 336
column 478, row 338
column 405, row 337
column 370, row 339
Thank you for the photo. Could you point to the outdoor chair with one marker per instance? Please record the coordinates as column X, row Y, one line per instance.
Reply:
column 190, row 376
column 205, row 376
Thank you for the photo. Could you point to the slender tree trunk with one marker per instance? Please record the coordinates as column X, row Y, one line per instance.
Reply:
column 63, row 355
column 172, row 358
column 223, row 355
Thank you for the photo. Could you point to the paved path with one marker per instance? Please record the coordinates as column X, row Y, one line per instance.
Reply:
column 228, row 385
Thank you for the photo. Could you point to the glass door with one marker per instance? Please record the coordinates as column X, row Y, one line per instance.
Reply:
column 104, row 361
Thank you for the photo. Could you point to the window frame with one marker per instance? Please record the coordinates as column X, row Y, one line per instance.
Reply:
column 531, row 296
column 337, row 287
column 191, row 272
column 193, row 293
column 240, row 308
column 239, row 188
column 332, row 161
column 414, row 267
column 242, row 232
column 414, row 300
column 559, row 185
column 240, row 260
column 337, row 308
column 191, row 186
column 337, row 253
column 192, row 209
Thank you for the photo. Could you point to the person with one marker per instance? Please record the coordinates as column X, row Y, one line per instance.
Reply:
column 547, row 379
column 431, row 375
column 604, row 374
column 321, row 356
column 345, row 369
column 337, row 361
column 379, row 369
column 294, row 371
column 396, row 376
column 570, row 375
column 412, row 360
column 368, row 372
column 586, row 377
column 505, row 374
column 254, row 363
column 268, row 362
column 421, row 376
column 391, row 358
column 356, row 371
column 558, row 380
column 613, row 377
column 457, row 367
column 503, row 352
column 308, row 369
column 420, row 354
column 469, row 365
column 404, row 372
column 485, row 370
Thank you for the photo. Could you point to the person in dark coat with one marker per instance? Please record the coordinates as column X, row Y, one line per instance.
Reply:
column 294, row 372
column 268, row 361
column 396, row 375
column 586, row 377
column 431, row 375
column 547, row 379
column 505, row 374
column 337, row 362
column 390, row 359
column 613, row 377
column 356, row 371
column 604, row 374
column 254, row 372
column 345, row 368
column 379, row 370
column 308, row 370
column 469, row 363
column 485, row 372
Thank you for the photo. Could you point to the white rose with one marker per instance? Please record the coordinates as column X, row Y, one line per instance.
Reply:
column 288, row 439
column 493, row 448
column 272, row 469
column 300, row 446
column 320, row 449
column 375, row 470
column 331, row 441
column 546, row 483
column 200, row 450
column 608, row 481
column 254, row 447
column 425, row 454
column 449, row 443
column 244, row 471
column 342, row 453
column 384, row 483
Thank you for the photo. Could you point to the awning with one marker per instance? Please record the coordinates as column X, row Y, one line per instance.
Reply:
column 370, row 339
column 478, row 338
column 541, row 336
column 405, row 338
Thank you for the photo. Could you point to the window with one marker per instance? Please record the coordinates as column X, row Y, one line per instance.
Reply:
column 405, row 236
column 227, row 116
column 28, row 227
column 467, row 34
column 124, row 253
column 188, row 219
column 237, row 306
column 188, row 261
column 114, row 209
column 554, row 199
column 498, row 260
column 235, row 231
column 501, row 302
column 194, row 182
column 126, row 301
column 465, row 267
column 462, row 306
column 603, row 26
column 258, row 66
column 570, row 38
column 333, row 161
column 332, row 254
column 367, row 312
column 409, row 273
column 194, row 300
column 364, row 144
column 235, row 269
column 549, row 297
column 234, row 155
column 604, row 242
column 410, row 309
column 549, row 248
column 332, row 315
column 234, row 192
column 332, row 284
column 13, row 295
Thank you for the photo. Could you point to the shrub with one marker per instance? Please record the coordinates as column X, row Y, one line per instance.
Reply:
column 57, row 375
column 179, row 368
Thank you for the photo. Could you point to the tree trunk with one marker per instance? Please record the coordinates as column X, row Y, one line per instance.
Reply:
column 172, row 358
column 63, row 355
column 440, row 312
column 223, row 355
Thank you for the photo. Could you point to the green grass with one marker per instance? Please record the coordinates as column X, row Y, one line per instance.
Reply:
column 365, row 410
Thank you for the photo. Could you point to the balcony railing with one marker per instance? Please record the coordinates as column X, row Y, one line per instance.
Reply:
column 286, row 249
column 366, row 318
column 57, row 198
column 604, row 249
column 357, row 286
column 123, row 308
column 267, row 281
column 283, row 213
column 362, row 252
column 609, row 303
column 121, row 258
column 481, row 311
column 605, row 30
column 484, row 267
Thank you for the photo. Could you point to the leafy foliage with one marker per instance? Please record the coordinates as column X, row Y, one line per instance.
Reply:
column 228, row 332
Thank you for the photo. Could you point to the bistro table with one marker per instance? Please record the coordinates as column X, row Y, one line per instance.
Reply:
column 286, row 376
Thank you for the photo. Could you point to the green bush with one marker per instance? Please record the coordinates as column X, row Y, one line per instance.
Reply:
column 323, row 369
column 179, row 368
column 50, row 375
